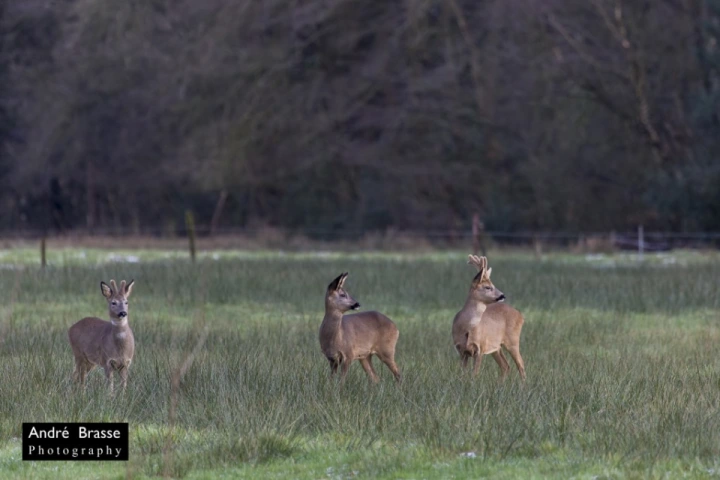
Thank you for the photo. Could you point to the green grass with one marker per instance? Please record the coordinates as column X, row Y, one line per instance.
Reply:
column 622, row 365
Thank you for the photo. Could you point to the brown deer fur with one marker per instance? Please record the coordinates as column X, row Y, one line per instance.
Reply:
column 97, row 342
column 358, row 336
column 484, row 324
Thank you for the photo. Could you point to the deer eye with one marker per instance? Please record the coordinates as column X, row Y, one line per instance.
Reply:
column 343, row 295
column 114, row 302
column 488, row 287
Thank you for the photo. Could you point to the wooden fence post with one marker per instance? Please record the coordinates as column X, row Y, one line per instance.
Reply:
column 478, row 235
column 537, row 246
column 43, row 253
column 190, row 225
column 641, row 241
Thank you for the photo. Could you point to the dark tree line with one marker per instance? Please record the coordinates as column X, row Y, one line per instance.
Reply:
column 316, row 116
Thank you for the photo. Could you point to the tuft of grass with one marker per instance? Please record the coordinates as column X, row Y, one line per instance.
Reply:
column 621, row 363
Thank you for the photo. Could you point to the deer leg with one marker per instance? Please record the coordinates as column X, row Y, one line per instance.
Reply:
column 333, row 366
column 502, row 363
column 514, row 352
column 463, row 356
column 478, row 360
column 82, row 367
column 344, row 367
column 77, row 375
column 88, row 368
column 109, row 375
column 367, row 365
column 124, row 376
column 389, row 360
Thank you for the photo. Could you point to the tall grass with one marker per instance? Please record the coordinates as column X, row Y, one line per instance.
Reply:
column 622, row 363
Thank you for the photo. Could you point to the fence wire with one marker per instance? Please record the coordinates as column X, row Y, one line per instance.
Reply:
column 587, row 241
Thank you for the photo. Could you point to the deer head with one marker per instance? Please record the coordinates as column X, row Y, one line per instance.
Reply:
column 117, row 299
column 337, row 297
column 482, row 289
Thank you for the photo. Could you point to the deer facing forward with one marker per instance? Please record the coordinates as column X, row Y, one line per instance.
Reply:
column 358, row 336
column 485, row 324
column 97, row 342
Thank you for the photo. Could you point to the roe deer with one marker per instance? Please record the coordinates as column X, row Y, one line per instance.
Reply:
column 358, row 336
column 110, row 345
column 485, row 323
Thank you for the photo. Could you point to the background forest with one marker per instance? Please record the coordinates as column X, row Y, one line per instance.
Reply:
column 316, row 116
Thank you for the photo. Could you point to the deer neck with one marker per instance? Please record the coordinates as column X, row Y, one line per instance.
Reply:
column 120, row 330
column 475, row 306
column 331, row 327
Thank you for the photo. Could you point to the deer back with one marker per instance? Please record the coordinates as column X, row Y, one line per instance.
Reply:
column 368, row 332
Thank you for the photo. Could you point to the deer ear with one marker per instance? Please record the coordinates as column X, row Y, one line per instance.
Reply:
column 106, row 290
column 128, row 288
column 489, row 271
column 343, row 277
column 335, row 284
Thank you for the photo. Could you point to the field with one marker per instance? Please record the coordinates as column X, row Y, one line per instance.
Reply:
column 621, row 356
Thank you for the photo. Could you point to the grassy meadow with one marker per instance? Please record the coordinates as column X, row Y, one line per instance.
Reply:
column 623, row 371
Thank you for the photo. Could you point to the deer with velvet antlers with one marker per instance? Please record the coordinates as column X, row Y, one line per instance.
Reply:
column 486, row 324
column 108, row 344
